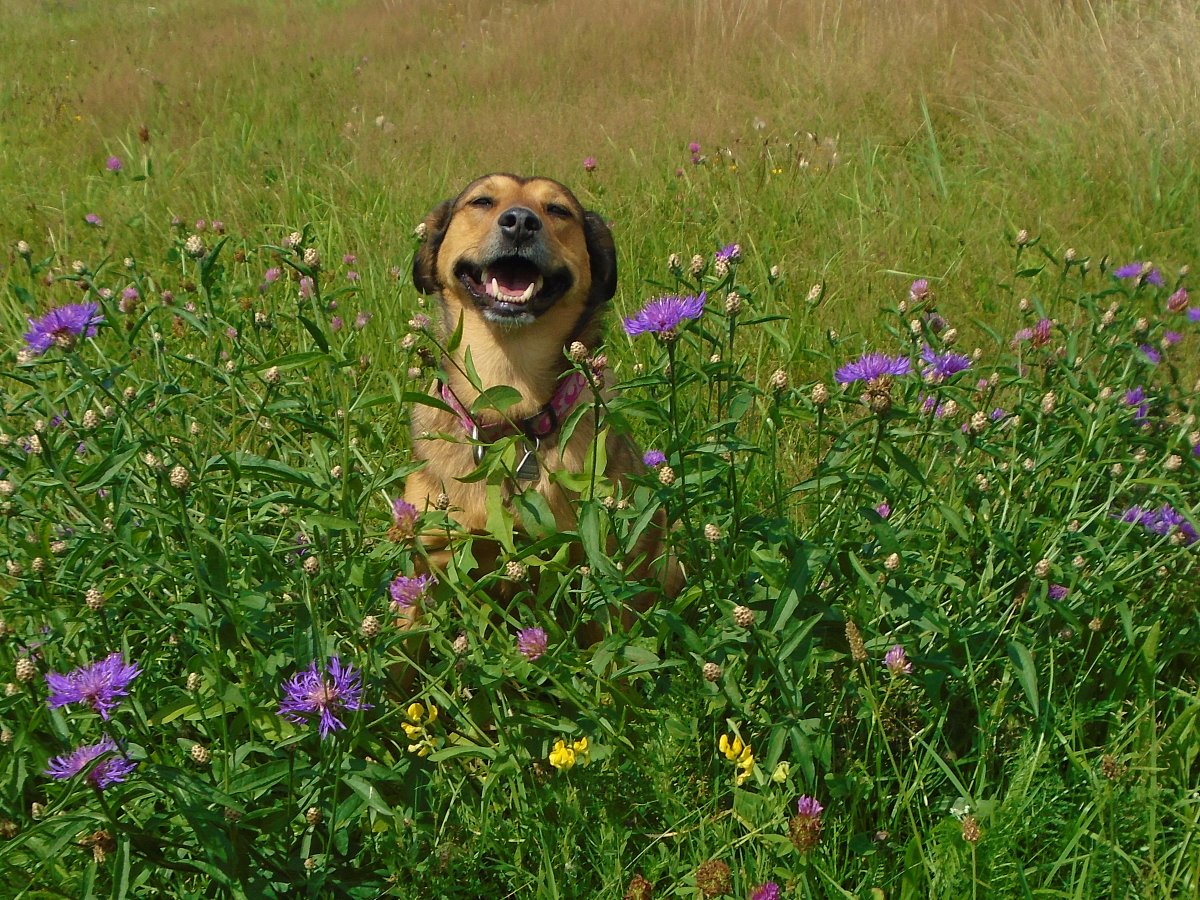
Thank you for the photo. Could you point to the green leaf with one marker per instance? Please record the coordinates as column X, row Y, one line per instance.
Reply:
column 1026, row 672
column 367, row 791
column 317, row 335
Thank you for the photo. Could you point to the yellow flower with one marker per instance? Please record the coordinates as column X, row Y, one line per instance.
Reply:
column 731, row 748
column 739, row 753
column 416, row 712
column 780, row 775
column 562, row 757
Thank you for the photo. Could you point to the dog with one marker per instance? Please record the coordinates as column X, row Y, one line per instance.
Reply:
column 523, row 272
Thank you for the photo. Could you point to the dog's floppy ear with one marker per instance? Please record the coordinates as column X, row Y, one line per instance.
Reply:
column 602, row 253
column 424, row 267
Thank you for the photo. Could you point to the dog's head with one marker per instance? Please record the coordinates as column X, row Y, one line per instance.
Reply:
column 517, row 251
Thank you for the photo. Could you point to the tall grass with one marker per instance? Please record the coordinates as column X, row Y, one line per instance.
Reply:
column 958, row 612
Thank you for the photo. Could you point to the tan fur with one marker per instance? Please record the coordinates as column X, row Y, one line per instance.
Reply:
column 528, row 357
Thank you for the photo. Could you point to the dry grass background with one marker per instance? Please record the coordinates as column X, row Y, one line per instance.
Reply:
column 956, row 123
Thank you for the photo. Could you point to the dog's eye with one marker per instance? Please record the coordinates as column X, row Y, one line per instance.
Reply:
column 483, row 202
column 559, row 211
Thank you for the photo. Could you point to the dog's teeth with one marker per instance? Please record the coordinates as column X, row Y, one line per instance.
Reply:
column 528, row 293
column 494, row 289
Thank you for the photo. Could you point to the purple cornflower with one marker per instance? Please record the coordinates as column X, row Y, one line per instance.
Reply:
column 768, row 891
column 94, row 220
column 100, row 685
column 352, row 276
column 729, row 253
column 943, row 365
column 349, row 259
column 362, row 319
column 406, row 590
column 589, row 164
column 918, row 291
column 654, row 458
column 62, row 326
column 870, row 366
column 883, row 509
column 694, row 148
column 300, row 550
column 114, row 164
column 1161, row 521
column 1136, row 397
column 935, row 322
column 1152, row 355
column 1141, row 271
column 1178, row 301
column 531, row 642
column 1193, row 314
column 311, row 693
column 336, row 323
column 662, row 316
column 272, row 275
column 1057, row 592
column 897, row 662
column 1171, row 338
column 111, row 767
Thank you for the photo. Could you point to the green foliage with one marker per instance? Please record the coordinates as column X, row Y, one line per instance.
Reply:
column 205, row 486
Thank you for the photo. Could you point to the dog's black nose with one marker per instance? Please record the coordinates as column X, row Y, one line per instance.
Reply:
column 519, row 224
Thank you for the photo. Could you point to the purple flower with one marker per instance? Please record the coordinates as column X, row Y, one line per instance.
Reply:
column 349, row 259
column 1193, row 314
column 883, row 509
column 663, row 315
column 808, row 808
column 654, row 458
column 1136, row 397
column 100, row 685
column 406, row 590
column 870, row 366
column 306, row 287
column 589, row 164
column 362, row 319
column 531, row 642
column 352, row 276
column 62, row 326
column 768, row 891
column 404, row 517
column 943, row 365
column 272, row 275
column 1178, row 301
column 336, row 323
column 1141, row 271
column 111, row 767
column 729, row 253
column 896, row 661
column 94, row 220
column 1057, row 591
column 1171, row 338
column 114, row 164
column 1161, row 521
column 919, row 290
column 1152, row 355
column 324, row 694
column 693, row 148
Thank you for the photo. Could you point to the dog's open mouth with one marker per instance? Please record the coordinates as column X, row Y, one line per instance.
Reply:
column 512, row 288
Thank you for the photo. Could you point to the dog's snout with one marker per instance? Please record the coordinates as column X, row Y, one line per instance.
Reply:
column 519, row 224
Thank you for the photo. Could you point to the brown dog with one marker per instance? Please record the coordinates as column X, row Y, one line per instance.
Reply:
column 523, row 269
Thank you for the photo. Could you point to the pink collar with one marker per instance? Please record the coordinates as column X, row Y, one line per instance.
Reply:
column 541, row 424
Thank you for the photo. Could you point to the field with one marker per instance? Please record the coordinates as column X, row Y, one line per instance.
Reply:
column 939, row 633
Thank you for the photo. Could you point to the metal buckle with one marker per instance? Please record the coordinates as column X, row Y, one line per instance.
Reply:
column 528, row 468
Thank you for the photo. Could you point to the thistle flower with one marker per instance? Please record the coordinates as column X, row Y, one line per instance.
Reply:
column 94, row 220
column 870, row 366
column 102, row 761
column 1144, row 272
column 654, row 458
column 100, row 685
column 531, row 642
column 729, row 253
column 1057, row 592
column 62, row 326
column 662, row 316
column 589, row 164
column 406, row 590
column 1136, row 397
column 114, row 164
column 918, row 291
column 323, row 694
column 768, row 891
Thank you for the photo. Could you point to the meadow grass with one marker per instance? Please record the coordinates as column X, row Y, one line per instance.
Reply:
column 953, row 605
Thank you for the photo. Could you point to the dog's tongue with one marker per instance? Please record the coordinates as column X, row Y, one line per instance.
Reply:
column 513, row 277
